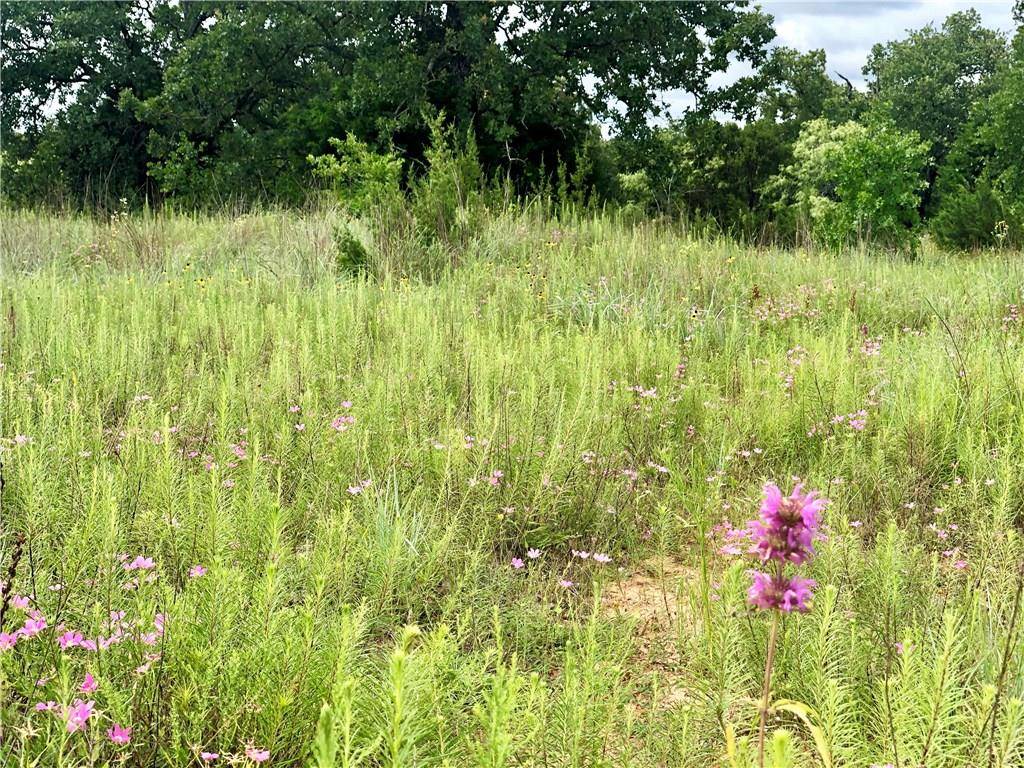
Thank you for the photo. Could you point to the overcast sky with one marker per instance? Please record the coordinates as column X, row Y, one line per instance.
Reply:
column 847, row 29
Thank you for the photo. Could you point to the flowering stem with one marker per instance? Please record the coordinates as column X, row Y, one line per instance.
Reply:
column 766, row 692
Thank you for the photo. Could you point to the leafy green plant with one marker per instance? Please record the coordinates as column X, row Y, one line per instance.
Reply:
column 856, row 182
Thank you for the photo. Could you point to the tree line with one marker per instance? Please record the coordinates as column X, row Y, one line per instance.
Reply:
column 196, row 103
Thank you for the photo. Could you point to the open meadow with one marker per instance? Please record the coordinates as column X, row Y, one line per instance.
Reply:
column 264, row 506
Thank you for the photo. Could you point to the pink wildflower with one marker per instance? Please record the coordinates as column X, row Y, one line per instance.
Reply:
column 7, row 640
column 32, row 627
column 786, row 528
column 257, row 755
column 196, row 571
column 208, row 757
column 343, row 422
column 517, row 563
column 119, row 735
column 140, row 563
column 779, row 593
column 533, row 554
column 89, row 684
column 600, row 557
column 78, row 715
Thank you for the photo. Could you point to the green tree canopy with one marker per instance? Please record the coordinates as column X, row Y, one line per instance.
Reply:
column 220, row 98
column 930, row 81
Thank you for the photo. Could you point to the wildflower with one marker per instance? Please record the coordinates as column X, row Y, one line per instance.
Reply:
column 140, row 563
column 78, row 715
column 359, row 487
column 960, row 565
column 495, row 478
column 600, row 557
column 32, row 627
column 517, row 563
column 856, row 523
column 299, row 427
column 196, row 571
column 787, row 525
column 22, row 440
column 119, row 735
column 780, row 593
column 7, row 640
column 229, row 483
column 257, row 755
column 89, row 684
column 294, row 409
column 565, row 583
column 533, row 554
column 343, row 422
column 208, row 757
column 19, row 602
column 580, row 555
column 47, row 706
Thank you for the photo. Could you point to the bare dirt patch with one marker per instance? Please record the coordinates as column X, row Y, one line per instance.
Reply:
column 653, row 595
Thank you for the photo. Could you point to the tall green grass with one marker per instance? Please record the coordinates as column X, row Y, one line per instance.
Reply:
column 169, row 385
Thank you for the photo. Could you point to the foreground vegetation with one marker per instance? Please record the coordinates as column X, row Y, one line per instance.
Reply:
column 262, row 503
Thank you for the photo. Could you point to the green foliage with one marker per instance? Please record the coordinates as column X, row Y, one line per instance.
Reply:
column 214, row 101
column 351, row 256
column 856, row 182
column 556, row 352
column 972, row 218
column 929, row 82
column 446, row 198
column 360, row 177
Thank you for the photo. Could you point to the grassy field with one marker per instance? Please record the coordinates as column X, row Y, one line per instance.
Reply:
column 260, row 509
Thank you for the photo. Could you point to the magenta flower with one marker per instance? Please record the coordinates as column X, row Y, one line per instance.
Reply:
column 70, row 640
column 257, row 755
column 196, row 571
column 78, row 715
column 140, row 563
column 89, row 684
column 32, row 627
column 780, row 593
column 517, row 563
column 787, row 526
column 208, row 757
column 7, row 640
column 343, row 422
column 119, row 735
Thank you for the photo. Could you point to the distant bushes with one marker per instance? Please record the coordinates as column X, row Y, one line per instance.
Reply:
column 855, row 182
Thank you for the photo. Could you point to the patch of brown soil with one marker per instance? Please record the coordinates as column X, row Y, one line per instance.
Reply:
column 651, row 596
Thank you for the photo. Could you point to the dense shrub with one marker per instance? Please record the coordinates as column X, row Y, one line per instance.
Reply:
column 971, row 218
column 855, row 182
